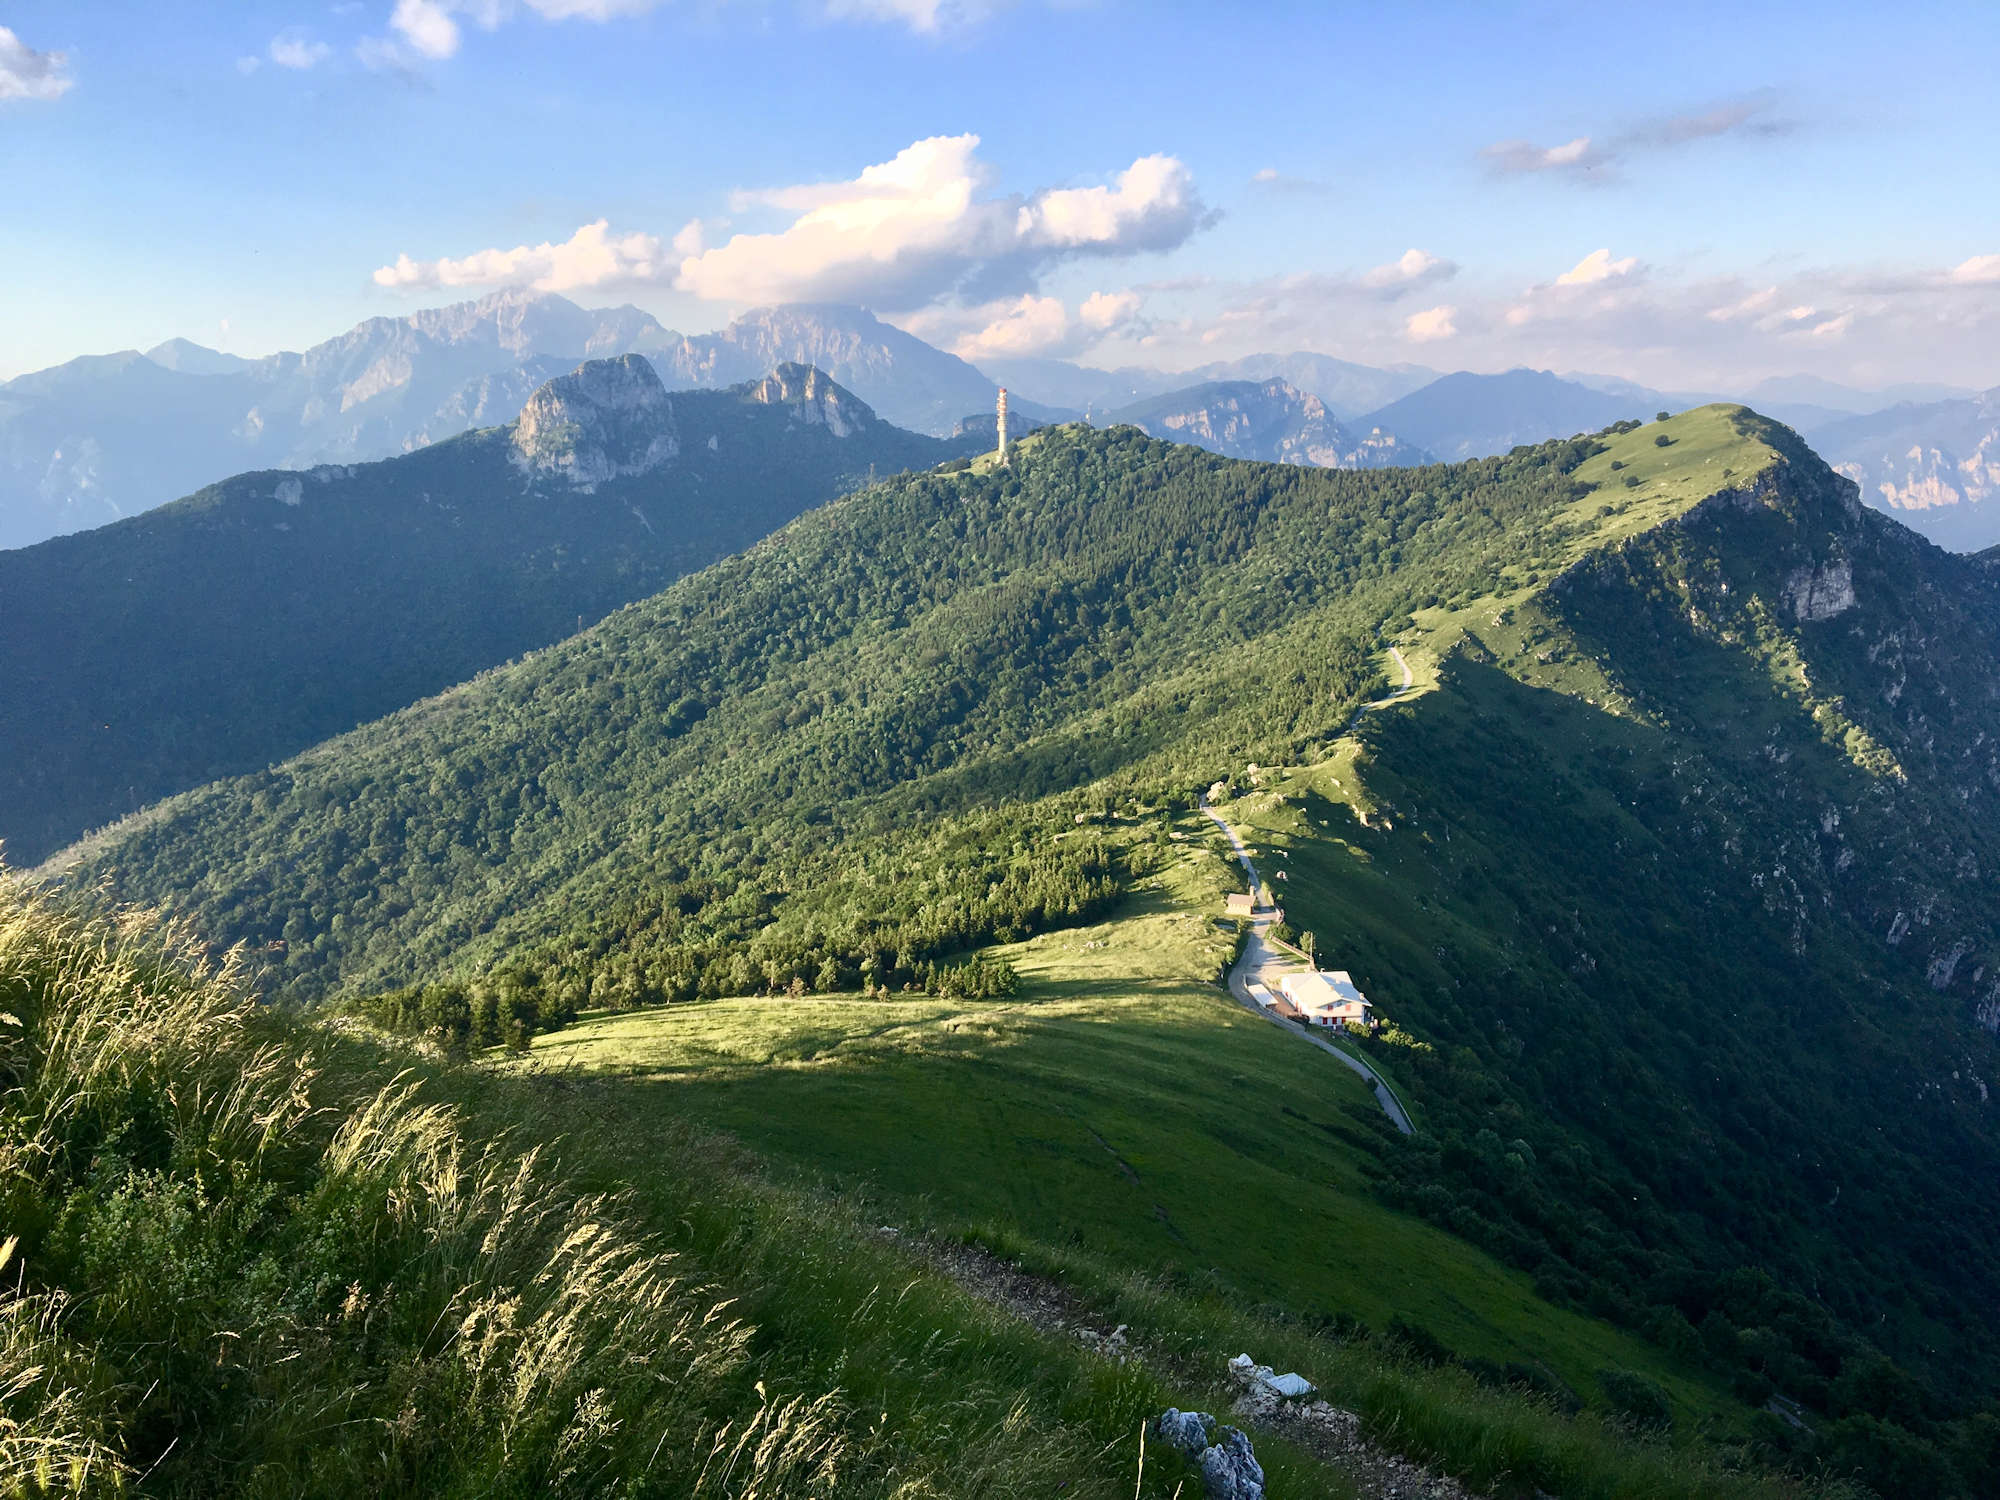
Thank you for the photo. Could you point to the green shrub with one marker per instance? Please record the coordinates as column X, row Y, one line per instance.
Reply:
column 1637, row 1399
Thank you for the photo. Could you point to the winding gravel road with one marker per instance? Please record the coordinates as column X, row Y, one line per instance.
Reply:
column 1263, row 965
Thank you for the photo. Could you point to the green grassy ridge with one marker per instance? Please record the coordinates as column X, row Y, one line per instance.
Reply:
column 1709, row 757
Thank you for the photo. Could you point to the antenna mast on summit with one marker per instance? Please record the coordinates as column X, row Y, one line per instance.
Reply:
column 1000, row 419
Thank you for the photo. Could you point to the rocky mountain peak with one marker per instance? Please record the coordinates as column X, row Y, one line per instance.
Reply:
column 814, row 397
column 606, row 419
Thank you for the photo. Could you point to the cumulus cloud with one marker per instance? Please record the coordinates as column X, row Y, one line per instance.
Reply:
column 1104, row 311
column 1028, row 325
column 903, row 235
column 1432, row 323
column 1413, row 268
column 1718, row 334
column 924, row 225
column 693, row 237
column 1589, row 159
column 1598, row 266
column 592, row 257
column 30, row 75
column 293, row 49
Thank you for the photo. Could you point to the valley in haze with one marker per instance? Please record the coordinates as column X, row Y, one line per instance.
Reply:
column 1268, row 769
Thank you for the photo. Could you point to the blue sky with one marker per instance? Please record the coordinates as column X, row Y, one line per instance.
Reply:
column 1686, row 195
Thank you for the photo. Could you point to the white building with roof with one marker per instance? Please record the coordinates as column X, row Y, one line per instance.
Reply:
column 1326, row 997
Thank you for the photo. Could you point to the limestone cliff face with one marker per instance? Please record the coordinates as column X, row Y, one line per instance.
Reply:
column 815, row 400
column 606, row 419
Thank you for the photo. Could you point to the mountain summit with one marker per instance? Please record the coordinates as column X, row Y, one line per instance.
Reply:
column 606, row 419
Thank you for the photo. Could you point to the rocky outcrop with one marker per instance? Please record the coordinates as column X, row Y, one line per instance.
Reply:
column 1273, row 422
column 606, row 419
column 1229, row 1467
column 814, row 398
column 1820, row 593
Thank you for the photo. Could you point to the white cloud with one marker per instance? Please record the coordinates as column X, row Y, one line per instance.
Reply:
column 1598, row 266
column 1526, row 156
column 28, row 74
column 591, row 257
column 431, row 29
column 1432, row 323
column 1866, row 326
column 1282, row 182
column 1585, row 159
column 292, row 49
column 1029, row 325
column 1977, row 271
column 1104, row 311
column 692, row 237
column 1412, row 268
column 921, row 225
column 902, row 235
column 427, row 26
column 923, row 16
column 1754, row 305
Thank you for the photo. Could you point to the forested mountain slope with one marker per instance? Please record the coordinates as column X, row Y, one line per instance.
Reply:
column 252, row 619
column 1675, row 880
column 933, row 645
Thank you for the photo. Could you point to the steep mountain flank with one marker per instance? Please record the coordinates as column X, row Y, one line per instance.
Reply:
column 219, row 633
column 1273, row 422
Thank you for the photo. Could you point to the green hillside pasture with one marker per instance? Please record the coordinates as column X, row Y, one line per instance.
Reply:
column 1141, row 1121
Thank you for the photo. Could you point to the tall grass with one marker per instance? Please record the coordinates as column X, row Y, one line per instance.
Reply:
column 246, row 1265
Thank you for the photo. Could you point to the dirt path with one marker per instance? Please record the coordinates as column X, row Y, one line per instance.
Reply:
column 1262, row 964
column 1328, row 1432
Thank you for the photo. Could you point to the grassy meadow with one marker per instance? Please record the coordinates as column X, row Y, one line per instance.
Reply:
column 1122, row 1113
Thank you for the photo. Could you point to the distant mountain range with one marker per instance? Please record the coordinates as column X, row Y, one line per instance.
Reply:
column 242, row 624
column 1272, row 421
column 1935, row 466
column 108, row 436
column 1468, row 416
column 111, row 435
column 1347, row 389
